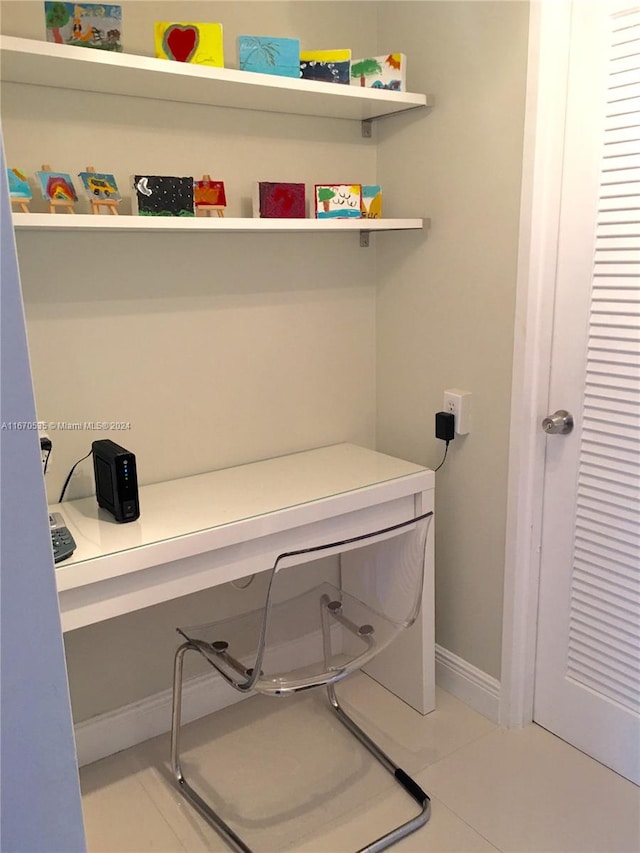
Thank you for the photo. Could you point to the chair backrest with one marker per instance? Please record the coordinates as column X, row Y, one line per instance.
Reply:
column 326, row 618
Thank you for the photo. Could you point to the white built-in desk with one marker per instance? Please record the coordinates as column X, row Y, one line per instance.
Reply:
column 202, row 531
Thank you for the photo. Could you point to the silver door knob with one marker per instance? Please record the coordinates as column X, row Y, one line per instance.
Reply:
column 559, row 423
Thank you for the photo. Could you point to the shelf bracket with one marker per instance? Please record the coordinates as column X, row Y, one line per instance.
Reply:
column 364, row 239
column 367, row 128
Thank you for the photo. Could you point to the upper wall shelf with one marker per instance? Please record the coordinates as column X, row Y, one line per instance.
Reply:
column 63, row 66
column 165, row 224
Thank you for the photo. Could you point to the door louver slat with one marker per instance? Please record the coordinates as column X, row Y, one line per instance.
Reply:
column 604, row 622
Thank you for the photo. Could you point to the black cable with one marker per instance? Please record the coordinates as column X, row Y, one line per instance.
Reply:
column 45, row 447
column 443, row 458
column 66, row 482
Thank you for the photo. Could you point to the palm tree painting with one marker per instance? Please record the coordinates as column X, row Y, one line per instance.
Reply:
column 365, row 68
column 380, row 72
column 279, row 56
column 338, row 201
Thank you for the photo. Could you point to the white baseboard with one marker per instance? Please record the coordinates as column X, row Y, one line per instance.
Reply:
column 468, row 683
column 117, row 730
column 114, row 731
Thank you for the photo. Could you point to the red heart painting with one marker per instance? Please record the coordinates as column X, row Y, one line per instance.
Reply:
column 180, row 43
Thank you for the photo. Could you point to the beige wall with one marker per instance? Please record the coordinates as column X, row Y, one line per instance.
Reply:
column 446, row 306
column 219, row 350
column 227, row 349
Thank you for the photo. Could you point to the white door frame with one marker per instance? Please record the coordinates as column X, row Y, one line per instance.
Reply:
column 549, row 34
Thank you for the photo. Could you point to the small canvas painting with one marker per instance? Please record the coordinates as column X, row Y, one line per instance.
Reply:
column 96, row 25
column 19, row 188
column 207, row 192
column 267, row 55
column 371, row 201
column 381, row 72
column 158, row 195
column 279, row 201
column 326, row 66
column 200, row 44
column 338, row 201
column 57, row 186
column 100, row 186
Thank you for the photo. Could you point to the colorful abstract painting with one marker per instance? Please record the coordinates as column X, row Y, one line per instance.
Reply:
column 267, row 55
column 100, row 186
column 380, row 72
column 279, row 201
column 19, row 185
column 371, row 206
column 158, row 195
column 57, row 186
column 96, row 25
column 338, row 201
column 200, row 44
column 326, row 66
column 209, row 193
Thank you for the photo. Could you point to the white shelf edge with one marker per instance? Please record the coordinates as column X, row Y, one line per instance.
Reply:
column 68, row 67
column 162, row 224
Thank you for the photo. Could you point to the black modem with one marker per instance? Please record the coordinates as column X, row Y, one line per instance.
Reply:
column 116, row 480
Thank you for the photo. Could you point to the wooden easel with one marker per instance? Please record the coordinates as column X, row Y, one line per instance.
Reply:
column 96, row 203
column 54, row 203
column 209, row 209
column 22, row 204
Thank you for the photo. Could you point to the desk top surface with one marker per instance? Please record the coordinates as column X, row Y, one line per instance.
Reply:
column 184, row 507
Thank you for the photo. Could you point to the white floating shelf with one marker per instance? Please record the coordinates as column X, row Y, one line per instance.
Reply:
column 44, row 63
column 165, row 224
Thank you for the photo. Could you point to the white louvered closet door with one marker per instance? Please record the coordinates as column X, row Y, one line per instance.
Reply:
column 587, row 687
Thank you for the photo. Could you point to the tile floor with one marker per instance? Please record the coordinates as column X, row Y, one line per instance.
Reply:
column 267, row 760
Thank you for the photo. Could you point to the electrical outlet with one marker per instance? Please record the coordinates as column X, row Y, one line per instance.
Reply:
column 458, row 404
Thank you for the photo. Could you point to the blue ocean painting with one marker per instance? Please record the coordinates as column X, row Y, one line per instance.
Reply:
column 18, row 185
column 266, row 55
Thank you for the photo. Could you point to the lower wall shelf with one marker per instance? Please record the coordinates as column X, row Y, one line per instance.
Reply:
column 161, row 224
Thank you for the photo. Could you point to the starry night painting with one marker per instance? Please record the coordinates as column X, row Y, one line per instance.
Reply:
column 326, row 66
column 158, row 195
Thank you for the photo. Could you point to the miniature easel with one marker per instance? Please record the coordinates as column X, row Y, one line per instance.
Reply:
column 22, row 203
column 69, row 204
column 207, row 209
column 97, row 203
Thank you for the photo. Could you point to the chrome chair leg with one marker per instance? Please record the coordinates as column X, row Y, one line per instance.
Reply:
column 410, row 786
column 233, row 840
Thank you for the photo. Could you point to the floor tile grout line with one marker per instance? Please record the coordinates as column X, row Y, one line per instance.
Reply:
column 456, row 750
column 159, row 807
column 466, row 823
column 363, row 720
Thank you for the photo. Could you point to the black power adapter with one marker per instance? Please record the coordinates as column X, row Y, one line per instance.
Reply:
column 445, row 426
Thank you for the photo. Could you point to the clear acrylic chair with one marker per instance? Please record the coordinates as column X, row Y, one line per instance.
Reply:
column 329, row 609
